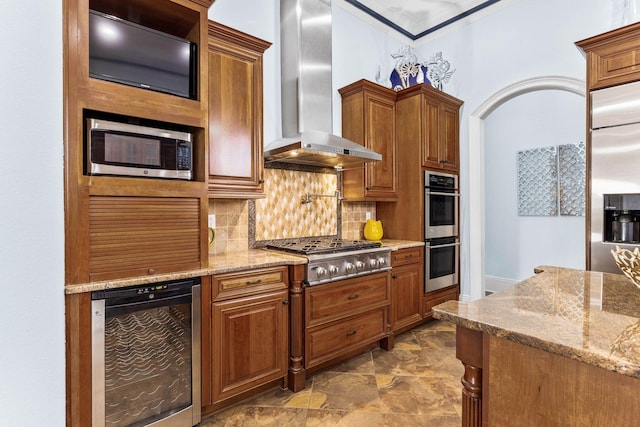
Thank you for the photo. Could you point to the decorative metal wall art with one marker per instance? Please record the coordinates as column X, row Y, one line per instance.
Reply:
column 538, row 182
column 551, row 180
column 571, row 167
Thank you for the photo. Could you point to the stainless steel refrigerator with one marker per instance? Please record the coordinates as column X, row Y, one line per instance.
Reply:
column 615, row 173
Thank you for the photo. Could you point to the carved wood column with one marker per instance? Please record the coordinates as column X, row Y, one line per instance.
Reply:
column 297, row 374
column 469, row 352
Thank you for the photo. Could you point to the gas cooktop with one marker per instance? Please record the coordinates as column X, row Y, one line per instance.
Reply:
column 322, row 245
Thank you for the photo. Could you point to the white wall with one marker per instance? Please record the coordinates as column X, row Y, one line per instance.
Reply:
column 514, row 244
column 32, row 391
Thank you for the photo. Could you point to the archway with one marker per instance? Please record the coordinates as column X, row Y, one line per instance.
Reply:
column 475, row 183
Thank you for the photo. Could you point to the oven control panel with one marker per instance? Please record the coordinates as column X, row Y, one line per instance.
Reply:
column 343, row 265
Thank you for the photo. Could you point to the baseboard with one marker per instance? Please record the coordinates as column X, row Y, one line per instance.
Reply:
column 495, row 284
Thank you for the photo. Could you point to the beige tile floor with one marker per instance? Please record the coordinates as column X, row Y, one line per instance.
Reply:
column 415, row 384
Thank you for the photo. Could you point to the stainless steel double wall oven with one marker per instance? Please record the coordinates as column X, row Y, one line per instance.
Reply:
column 442, row 246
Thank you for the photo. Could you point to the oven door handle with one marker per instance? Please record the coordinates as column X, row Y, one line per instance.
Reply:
column 448, row 245
column 437, row 193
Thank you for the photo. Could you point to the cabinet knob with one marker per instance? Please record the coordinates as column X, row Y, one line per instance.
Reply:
column 151, row 271
column 285, row 302
column 261, row 181
column 367, row 188
column 394, row 276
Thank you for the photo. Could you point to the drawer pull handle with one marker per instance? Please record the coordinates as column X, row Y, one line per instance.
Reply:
column 285, row 302
column 409, row 256
column 354, row 296
column 352, row 333
column 254, row 282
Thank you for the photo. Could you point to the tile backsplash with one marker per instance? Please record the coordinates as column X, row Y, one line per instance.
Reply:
column 232, row 225
column 281, row 214
column 354, row 216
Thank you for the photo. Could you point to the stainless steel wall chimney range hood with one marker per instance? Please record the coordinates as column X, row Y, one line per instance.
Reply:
column 305, row 38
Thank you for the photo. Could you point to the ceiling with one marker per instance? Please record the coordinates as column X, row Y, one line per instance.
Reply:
column 417, row 18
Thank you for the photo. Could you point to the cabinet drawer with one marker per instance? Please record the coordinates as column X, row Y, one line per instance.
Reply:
column 439, row 297
column 406, row 256
column 344, row 298
column 329, row 341
column 232, row 285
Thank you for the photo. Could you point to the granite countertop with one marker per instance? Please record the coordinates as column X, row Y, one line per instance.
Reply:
column 221, row 263
column 400, row 244
column 588, row 316
column 218, row 264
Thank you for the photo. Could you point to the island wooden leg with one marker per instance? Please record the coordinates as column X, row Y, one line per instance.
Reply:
column 469, row 352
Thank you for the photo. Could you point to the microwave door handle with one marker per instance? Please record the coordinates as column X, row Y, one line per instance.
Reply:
column 436, row 193
column 448, row 245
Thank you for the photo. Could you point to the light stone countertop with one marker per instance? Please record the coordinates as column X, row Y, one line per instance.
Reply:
column 400, row 244
column 218, row 264
column 588, row 316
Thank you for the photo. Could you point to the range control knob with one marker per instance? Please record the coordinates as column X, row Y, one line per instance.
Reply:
column 321, row 272
column 382, row 262
column 333, row 270
column 373, row 263
column 350, row 268
column 359, row 265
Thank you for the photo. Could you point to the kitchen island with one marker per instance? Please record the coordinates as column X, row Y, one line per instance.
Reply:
column 560, row 348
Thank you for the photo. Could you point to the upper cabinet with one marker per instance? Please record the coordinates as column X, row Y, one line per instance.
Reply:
column 613, row 58
column 235, row 113
column 369, row 118
column 435, row 123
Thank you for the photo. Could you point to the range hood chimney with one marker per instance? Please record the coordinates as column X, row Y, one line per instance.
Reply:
column 305, row 39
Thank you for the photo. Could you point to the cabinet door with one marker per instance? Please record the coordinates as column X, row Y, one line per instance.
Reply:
column 430, row 133
column 235, row 113
column 449, row 136
column 406, row 295
column 250, row 338
column 381, row 177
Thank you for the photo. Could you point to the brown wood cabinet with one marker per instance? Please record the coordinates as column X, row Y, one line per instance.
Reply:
column 90, row 254
column 435, row 123
column 369, row 118
column 343, row 316
column 613, row 58
column 247, row 333
column 407, row 288
column 119, row 227
column 235, row 113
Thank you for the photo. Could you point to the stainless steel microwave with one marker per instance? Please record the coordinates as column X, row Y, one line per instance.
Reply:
column 114, row 148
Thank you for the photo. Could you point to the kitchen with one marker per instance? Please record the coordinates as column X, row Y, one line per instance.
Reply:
column 36, row 367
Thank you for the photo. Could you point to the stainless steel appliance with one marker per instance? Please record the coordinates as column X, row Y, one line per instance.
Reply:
column 442, row 248
column 441, row 263
column 146, row 355
column 440, row 205
column 114, row 148
column 615, row 175
column 332, row 259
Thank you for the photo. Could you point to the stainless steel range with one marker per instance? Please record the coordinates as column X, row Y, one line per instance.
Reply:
column 332, row 259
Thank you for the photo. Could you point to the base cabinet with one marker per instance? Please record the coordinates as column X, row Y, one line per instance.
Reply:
column 407, row 288
column 245, row 335
column 250, row 343
column 344, row 316
column 438, row 297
